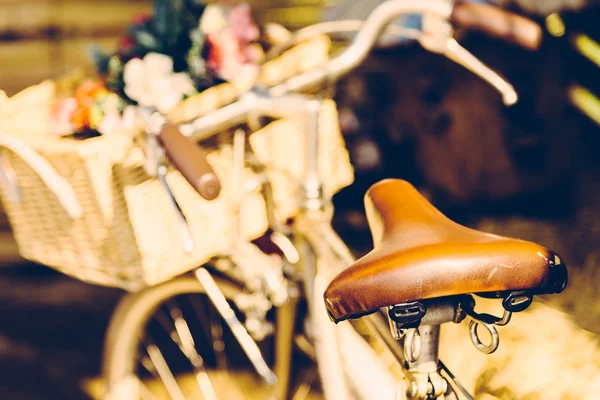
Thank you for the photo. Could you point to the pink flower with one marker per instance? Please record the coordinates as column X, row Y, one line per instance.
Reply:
column 228, row 60
column 60, row 123
column 243, row 25
column 231, row 35
column 225, row 53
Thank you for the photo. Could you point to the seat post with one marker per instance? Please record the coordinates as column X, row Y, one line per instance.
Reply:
column 422, row 378
column 429, row 335
column 417, row 326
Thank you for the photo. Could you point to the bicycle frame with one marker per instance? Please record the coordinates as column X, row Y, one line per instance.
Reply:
column 319, row 246
column 315, row 238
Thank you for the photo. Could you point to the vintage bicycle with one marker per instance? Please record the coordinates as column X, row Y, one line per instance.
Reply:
column 425, row 270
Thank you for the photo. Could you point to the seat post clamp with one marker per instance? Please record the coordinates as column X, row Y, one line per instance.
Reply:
column 405, row 316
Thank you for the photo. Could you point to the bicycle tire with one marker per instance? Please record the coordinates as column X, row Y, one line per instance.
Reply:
column 131, row 318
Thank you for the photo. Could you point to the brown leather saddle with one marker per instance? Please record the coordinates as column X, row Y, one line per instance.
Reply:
column 420, row 254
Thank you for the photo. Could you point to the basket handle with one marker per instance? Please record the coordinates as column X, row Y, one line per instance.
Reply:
column 56, row 183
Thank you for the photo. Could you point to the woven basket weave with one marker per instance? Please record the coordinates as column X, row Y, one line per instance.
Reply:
column 88, row 208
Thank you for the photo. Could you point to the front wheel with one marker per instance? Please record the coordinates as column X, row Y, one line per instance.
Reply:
column 169, row 341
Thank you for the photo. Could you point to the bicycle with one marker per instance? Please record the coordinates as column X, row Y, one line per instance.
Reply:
column 312, row 253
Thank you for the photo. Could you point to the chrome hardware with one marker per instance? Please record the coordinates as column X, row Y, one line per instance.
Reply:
column 408, row 315
column 255, row 307
column 261, row 272
column 396, row 330
column 424, row 313
column 312, row 197
column 423, row 380
column 514, row 301
column 188, row 243
column 486, row 349
column 412, row 345
column 248, row 345
column 155, row 166
column 438, row 386
column 274, row 282
column 455, row 381
column 489, row 319
column 238, row 180
column 286, row 246
column 517, row 301
column 437, row 38
column 418, row 386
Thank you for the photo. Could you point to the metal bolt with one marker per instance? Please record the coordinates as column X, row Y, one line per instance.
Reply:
column 444, row 386
column 429, row 388
column 414, row 389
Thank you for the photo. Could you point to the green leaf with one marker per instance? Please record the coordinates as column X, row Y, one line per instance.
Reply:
column 115, row 66
column 146, row 40
column 100, row 59
column 168, row 21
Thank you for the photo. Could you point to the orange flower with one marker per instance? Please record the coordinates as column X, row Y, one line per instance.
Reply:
column 80, row 118
column 86, row 94
column 88, row 91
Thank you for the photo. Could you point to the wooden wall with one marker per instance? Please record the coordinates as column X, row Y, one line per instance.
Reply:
column 45, row 38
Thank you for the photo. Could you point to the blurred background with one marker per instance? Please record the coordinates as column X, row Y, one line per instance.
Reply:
column 531, row 171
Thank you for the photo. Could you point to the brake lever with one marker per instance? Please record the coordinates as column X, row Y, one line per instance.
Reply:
column 438, row 38
column 188, row 243
column 155, row 167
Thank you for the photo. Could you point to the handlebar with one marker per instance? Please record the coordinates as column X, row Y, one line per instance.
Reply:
column 364, row 41
column 498, row 23
column 190, row 159
column 482, row 17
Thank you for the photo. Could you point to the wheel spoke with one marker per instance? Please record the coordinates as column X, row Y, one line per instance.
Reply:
column 188, row 347
column 146, row 362
column 302, row 392
column 248, row 344
column 163, row 370
column 215, row 330
column 182, row 340
column 167, row 325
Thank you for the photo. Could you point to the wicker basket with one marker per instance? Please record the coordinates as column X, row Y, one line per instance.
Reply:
column 88, row 209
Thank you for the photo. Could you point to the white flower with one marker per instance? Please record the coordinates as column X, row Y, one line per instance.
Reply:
column 113, row 121
column 152, row 83
column 213, row 19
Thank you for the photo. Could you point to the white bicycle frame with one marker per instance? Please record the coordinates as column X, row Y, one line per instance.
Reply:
column 323, row 253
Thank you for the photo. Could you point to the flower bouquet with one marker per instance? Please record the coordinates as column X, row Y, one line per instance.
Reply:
column 72, row 176
column 183, row 49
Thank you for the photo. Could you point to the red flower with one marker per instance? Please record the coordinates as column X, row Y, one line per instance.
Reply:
column 126, row 44
column 141, row 19
column 214, row 59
